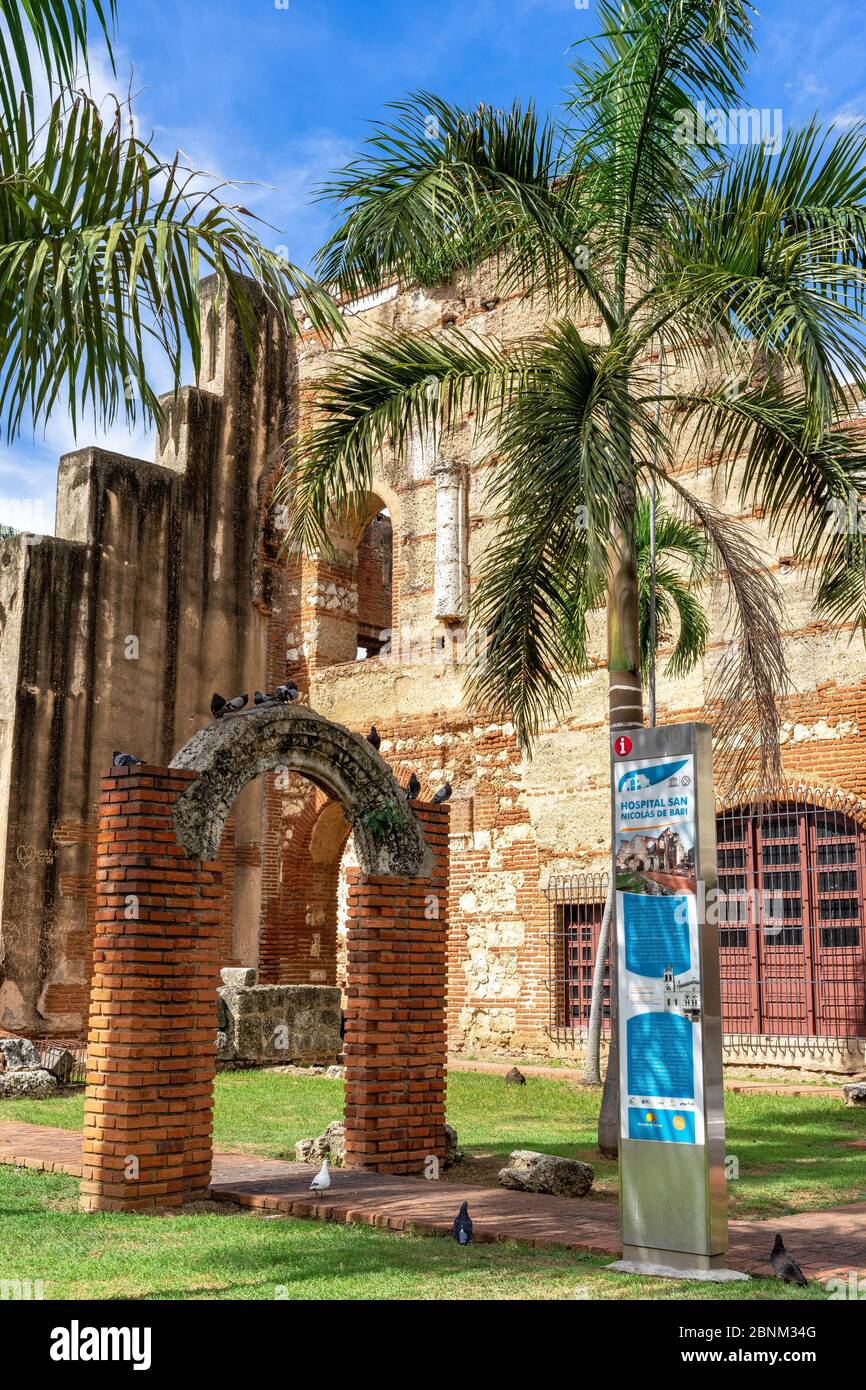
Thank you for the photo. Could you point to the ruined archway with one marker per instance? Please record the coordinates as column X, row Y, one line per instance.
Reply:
column 152, row 1031
column 231, row 752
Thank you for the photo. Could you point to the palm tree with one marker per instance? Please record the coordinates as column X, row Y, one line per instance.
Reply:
column 102, row 242
column 671, row 566
column 745, row 265
column 672, row 561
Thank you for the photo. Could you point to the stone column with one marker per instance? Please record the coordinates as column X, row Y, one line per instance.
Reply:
column 395, row 1045
column 150, row 1046
column 451, row 584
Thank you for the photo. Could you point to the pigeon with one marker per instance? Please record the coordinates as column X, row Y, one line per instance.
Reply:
column 261, row 699
column 287, row 693
column 322, row 1180
column 413, row 788
column 515, row 1078
column 443, row 794
column 784, row 1267
column 462, row 1228
column 373, row 737
column 125, row 760
column 220, row 706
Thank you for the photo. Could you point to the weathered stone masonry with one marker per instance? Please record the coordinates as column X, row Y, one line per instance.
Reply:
column 185, row 554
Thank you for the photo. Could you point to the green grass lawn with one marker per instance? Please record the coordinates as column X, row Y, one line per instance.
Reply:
column 793, row 1151
column 220, row 1254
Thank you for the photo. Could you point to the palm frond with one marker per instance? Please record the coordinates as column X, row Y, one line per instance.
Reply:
column 773, row 252
column 652, row 60
column 378, row 394
column 814, row 493
column 58, row 30
column 751, row 676
column 679, row 542
column 101, row 249
column 565, row 449
column 439, row 188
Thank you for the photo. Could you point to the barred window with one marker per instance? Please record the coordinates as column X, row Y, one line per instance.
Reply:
column 791, row 935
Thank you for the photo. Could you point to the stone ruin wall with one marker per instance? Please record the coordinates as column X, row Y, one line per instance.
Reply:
column 186, row 554
column 516, row 821
column 113, row 634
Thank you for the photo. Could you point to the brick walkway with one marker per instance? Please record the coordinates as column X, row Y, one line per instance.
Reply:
column 823, row 1241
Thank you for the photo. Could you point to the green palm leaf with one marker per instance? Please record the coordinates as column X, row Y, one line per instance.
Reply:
column 439, row 188
column 101, row 247
column 59, row 31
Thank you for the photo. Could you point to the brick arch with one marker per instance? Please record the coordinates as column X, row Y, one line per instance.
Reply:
column 148, row 1119
column 232, row 751
column 298, row 943
column 346, row 529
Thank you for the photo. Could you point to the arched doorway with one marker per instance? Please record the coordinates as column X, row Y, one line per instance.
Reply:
column 148, row 1112
column 298, row 942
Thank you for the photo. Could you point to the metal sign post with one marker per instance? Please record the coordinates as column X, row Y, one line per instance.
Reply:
column 673, row 1200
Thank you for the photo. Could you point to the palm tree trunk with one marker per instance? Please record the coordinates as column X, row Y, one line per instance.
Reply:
column 626, row 711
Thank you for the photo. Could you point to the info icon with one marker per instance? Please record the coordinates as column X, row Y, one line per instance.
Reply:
column 622, row 745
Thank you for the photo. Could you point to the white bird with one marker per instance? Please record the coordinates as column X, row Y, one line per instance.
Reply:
column 322, row 1180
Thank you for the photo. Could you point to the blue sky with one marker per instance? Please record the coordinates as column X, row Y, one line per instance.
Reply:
column 278, row 96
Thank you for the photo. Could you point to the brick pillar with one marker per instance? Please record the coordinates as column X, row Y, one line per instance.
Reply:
column 150, row 1044
column 395, row 1045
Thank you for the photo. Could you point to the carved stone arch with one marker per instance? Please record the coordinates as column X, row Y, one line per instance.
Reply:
column 232, row 751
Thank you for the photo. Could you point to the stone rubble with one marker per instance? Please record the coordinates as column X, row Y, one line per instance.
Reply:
column 17, row 1054
column 330, row 1145
column 27, row 1083
column 528, row 1171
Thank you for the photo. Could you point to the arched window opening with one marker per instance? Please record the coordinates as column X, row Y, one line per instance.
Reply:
column 375, row 574
column 792, row 918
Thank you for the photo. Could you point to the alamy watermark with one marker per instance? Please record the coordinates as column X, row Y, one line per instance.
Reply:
column 702, row 125
column 846, row 516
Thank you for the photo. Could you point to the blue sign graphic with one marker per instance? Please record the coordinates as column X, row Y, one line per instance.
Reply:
column 660, row 1056
column 656, row 934
column 665, row 1126
column 642, row 777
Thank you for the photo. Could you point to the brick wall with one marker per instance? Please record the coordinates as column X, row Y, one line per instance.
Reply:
column 148, row 1110
column 395, row 1047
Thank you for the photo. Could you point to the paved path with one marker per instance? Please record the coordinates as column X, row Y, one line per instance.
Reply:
column 823, row 1241
column 775, row 1088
